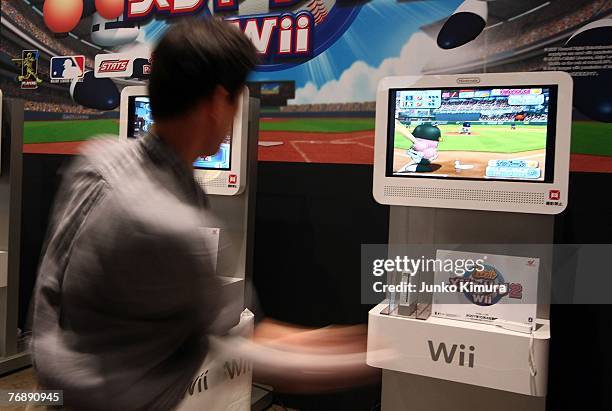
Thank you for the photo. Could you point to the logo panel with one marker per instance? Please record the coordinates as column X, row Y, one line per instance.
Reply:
column 28, row 62
column 113, row 65
column 64, row 69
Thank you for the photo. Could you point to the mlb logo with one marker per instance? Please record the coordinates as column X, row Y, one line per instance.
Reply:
column 554, row 195
column 67, row 68
column 233, row 179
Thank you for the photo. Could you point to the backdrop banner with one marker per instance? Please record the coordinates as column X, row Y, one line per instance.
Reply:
column 321, row 61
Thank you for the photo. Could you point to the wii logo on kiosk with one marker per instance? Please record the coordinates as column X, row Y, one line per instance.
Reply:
column 497, row 142
column 442, row 352
column 225, row 172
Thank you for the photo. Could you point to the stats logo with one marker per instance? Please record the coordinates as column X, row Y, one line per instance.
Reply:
column 113, row 65
column 284, row 32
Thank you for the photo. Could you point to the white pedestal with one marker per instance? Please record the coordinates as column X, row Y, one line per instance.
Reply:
column 224, row 382
column 477, row 354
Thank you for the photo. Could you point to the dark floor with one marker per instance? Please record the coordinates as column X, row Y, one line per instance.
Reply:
column 20, row 380
column 25, row 379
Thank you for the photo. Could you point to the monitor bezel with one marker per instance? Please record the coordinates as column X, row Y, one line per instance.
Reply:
column 561, row 157
column 230, row 181
column 130, row 134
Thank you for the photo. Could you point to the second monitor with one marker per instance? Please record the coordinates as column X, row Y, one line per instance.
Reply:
column 496, row 142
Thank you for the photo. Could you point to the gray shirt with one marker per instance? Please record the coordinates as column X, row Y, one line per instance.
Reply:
column 126, row 292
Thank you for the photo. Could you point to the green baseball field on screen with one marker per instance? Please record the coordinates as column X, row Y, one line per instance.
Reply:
column 486, row 138
column 67, row 130
column 587, row 137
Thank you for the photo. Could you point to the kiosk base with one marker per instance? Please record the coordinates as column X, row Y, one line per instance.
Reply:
column 486, row 231
column 482, row 355
column 401, row 391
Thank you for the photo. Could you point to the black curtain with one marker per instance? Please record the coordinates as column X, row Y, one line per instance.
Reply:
column 311, row 220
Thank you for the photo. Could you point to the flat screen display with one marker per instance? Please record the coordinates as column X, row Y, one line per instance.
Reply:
column 140, row 122
column 270, row 89
column 478, row 133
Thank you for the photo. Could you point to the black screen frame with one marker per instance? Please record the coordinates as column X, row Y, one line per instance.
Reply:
column 131, row 114
column 130, row 133
column 549, row 172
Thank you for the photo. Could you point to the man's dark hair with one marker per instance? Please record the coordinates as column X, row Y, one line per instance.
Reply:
column 192, row 59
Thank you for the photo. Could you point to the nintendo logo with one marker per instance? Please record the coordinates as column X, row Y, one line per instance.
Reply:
column 468, row 80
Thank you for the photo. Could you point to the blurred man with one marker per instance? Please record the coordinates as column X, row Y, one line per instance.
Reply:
column 126, row 295
column 126, row 292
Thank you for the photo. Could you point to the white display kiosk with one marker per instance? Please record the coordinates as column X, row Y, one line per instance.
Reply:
column 226, row 172
column 13, row 353
column 229, row 179
column 472, row 160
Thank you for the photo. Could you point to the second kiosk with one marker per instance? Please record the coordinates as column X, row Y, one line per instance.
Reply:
column 479, row 161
